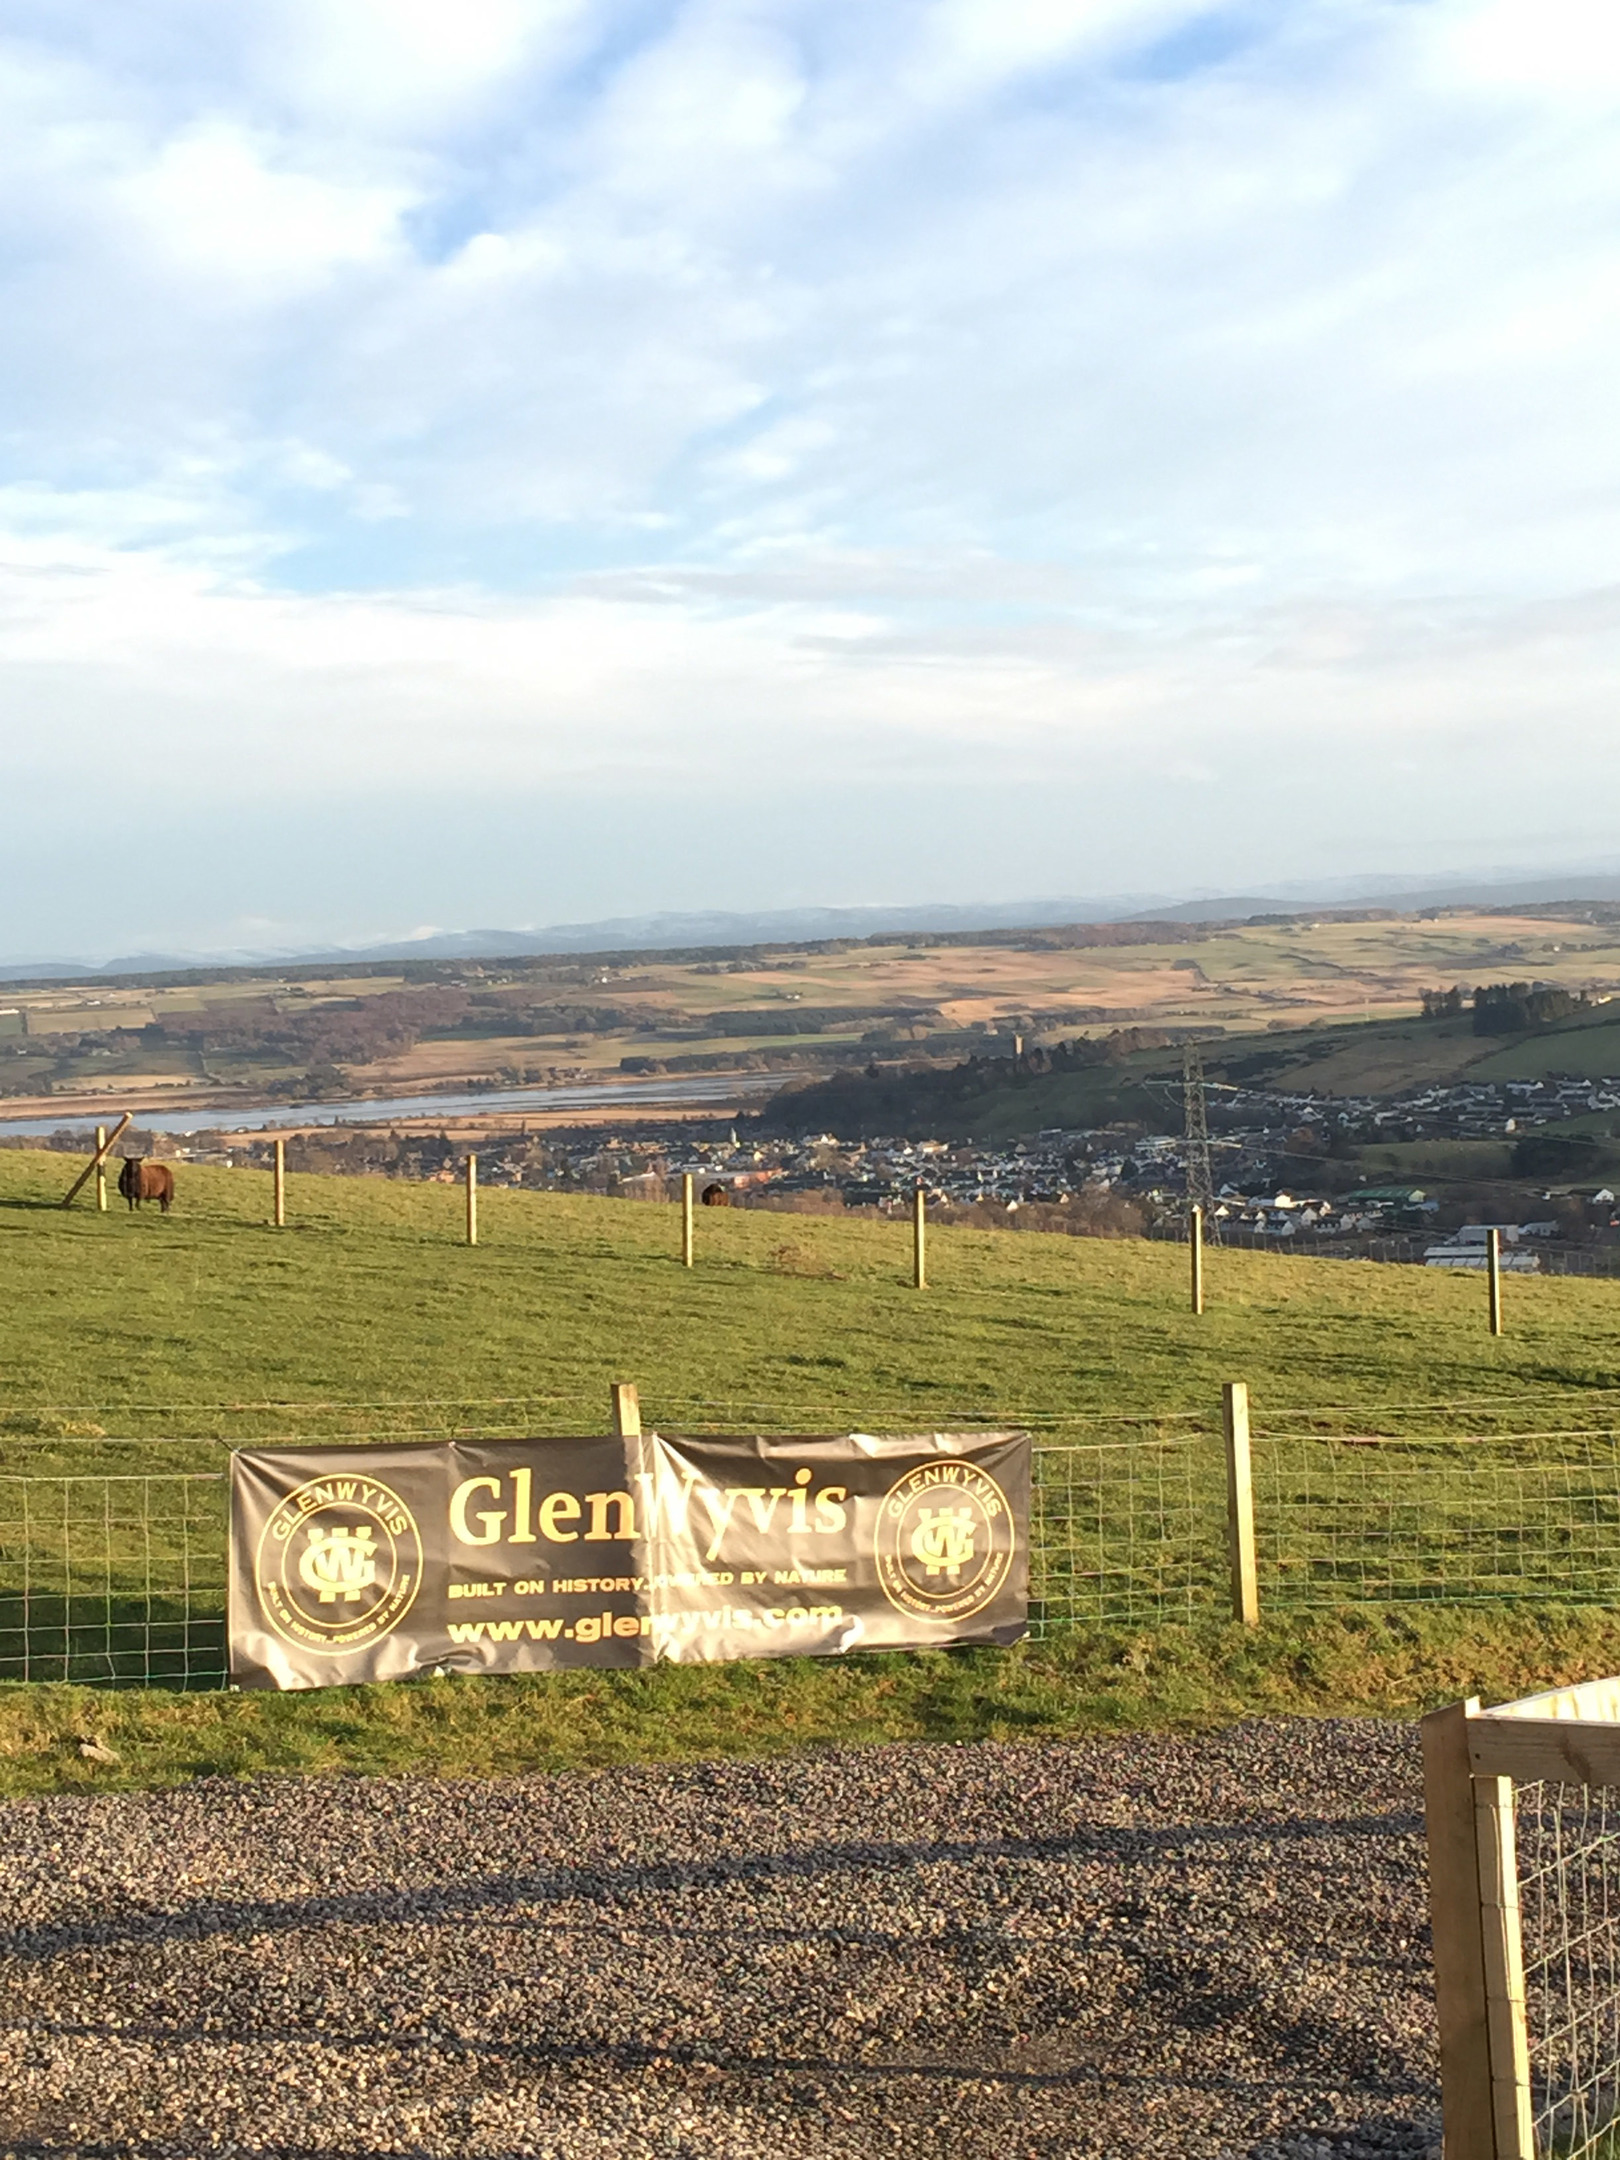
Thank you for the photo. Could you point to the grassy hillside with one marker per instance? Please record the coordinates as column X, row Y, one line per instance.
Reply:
column 1379, row 1057
column 368, row 1316
column 1438, row 1161
column 1585, row 1050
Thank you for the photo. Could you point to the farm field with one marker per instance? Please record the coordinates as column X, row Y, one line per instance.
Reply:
column 368, row 1317
column 327, row 1034
column 1341, row 1057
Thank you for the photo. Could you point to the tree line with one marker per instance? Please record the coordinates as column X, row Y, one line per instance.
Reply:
column 1517, row 1008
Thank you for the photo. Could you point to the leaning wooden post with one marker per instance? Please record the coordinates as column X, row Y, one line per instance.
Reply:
column 103, row 1148
column 625, row 1405
column 1493, row 1278
column 280, row 1182
column 1459, row 1943
column 1195, row 1253
column 1240, row 1503
column 101, row 1169
column 919, row 1239
column 686, row 1219
column 472, row 1199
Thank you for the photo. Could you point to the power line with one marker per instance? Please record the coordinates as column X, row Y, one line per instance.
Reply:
column 1195, row 1140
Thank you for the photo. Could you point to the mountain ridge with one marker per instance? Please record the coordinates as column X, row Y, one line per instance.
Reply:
column 720, row 927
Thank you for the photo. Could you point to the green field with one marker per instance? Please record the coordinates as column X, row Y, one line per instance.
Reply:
column 368, row 1316
column 1587, row 1051
column 1340, row 1057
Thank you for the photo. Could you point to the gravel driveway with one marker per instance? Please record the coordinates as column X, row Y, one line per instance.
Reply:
column 1211, row 1946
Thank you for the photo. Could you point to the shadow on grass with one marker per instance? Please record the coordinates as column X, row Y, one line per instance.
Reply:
column 125, row 1640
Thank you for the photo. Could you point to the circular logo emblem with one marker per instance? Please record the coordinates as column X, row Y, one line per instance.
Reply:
column 945, row 1540
column 339, row 1564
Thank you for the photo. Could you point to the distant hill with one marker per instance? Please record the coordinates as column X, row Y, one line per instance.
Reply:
column 622, row 933
column 668, row 931
column 1542, row 892
column 795, row 926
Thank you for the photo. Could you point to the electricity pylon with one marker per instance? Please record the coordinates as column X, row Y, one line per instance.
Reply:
column 1195, row 1142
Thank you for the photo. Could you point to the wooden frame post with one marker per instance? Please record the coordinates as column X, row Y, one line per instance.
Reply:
column 624, row 1405
column 472, row 1199
column 101, row 1169
column 1195, row 1254
column 1493, row 1278
column 1459, row 1943
column 1240, row 1504
column 687, row 1232
column 279, row 1181
column 103, row 1150
column 919, row 1239
column 1503, row 1951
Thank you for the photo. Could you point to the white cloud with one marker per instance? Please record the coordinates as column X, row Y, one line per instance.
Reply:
column 772, row 387
column 1530, row 48
column 399, row 60
column 606, row 687
column 969, row 46
column 216, row 203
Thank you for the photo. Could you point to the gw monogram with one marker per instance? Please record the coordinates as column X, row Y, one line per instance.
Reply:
column 339, row 1564
column 946, row 1539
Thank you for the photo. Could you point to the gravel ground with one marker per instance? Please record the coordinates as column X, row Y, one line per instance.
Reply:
column 1136, row 1945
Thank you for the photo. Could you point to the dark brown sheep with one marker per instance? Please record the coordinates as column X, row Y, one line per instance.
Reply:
column 141, row 1180
column 716, row 1196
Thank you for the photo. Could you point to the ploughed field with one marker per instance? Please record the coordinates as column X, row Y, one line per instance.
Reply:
column 1132, row 1945
column 159, row 1041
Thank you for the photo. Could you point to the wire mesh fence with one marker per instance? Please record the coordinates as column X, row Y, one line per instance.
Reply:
column 1568, row 1851
column 1126, row 1531
column 116, row 1573
column 120, row 1579
column 1522, row 1819
column 1384, row 1518
column 108, row 1579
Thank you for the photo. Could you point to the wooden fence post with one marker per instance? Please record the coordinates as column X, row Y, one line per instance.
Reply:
column 472, row 1199
column 625, row 1405
column 919, row 1239
column 686, row 1219
column 101, row 1169
column 103, row 1148
column 1195, row 1252
column 1493, row 1278
column 1459, row 1945
column 279, row 1180
column 1240, row 1503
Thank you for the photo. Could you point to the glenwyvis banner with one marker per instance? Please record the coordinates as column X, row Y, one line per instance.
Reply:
column 352, row 1564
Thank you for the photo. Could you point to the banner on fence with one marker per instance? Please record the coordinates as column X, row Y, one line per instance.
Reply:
column 352, row 1564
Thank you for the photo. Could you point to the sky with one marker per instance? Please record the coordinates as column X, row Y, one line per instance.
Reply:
column 525, row 461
